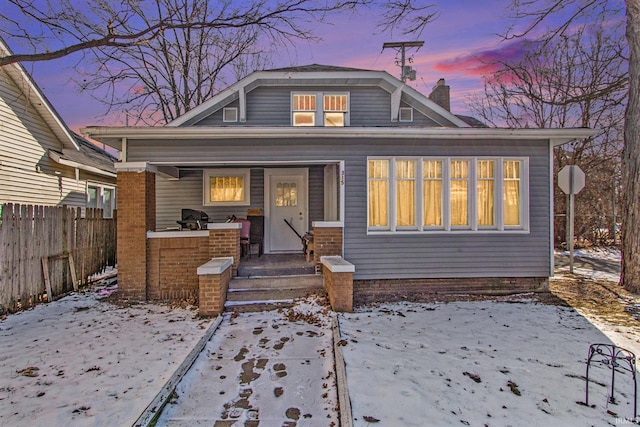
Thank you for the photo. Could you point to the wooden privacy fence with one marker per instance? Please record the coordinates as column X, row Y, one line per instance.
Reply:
column 39, row 245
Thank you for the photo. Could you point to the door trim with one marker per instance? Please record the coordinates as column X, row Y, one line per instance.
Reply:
column 268, row 174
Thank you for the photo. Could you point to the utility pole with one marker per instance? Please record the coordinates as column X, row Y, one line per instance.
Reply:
column 407, row 71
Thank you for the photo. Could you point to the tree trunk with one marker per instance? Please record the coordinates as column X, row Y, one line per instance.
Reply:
column 630, row 277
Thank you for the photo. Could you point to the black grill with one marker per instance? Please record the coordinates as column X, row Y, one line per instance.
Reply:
column 193, row 220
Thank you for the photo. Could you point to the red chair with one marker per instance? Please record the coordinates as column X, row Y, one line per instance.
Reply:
column 245, row 247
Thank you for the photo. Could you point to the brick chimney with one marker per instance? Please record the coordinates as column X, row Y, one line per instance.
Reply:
column 440, row 95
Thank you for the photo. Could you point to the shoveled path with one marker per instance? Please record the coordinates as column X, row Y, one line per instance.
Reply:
column 261, row 369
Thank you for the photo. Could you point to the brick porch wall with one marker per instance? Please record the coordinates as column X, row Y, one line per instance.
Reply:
column 327, row 241
column 172, row 265
column 340, row 289
column 391, row 290
column 136, row 200
column 225, row 242
column 213, row 293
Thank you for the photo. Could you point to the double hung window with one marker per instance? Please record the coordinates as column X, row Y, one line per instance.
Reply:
column 447, row 194
column 226, row 187
column 334, row 109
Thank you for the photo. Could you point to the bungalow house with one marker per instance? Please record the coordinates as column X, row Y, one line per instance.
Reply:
column 403, row 198
column 42, row 162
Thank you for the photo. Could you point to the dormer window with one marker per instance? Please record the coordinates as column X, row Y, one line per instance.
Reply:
column 335, row 109
column 305, row 112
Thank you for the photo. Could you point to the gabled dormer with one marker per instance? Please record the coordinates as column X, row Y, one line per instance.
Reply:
column 320, row 96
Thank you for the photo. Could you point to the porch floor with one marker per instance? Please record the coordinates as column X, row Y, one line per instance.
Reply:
column 275, row 265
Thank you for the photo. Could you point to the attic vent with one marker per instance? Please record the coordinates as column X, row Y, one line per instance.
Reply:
column 406, row 114
column 230, row 114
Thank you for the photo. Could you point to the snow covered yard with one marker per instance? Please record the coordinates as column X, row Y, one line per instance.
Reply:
column 271, row 368
column 80, row 361
column 480, row 363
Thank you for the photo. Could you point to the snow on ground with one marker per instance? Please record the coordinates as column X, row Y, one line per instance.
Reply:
column 80, row 361
column 478, row 364
column 268, row 368
column 605, row 254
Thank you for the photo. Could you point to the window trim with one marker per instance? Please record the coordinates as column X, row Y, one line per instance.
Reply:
column 222, row 172
column 446, row 227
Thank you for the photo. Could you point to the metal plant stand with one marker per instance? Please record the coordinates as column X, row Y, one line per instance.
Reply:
column 616, row 358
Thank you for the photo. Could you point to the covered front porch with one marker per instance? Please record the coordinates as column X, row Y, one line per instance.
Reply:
column 162, row 260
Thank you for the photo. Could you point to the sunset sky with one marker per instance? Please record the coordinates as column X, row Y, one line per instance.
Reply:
column 455, row 45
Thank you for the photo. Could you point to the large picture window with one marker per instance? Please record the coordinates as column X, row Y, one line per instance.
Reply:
column 226, row 187
column 454, row 194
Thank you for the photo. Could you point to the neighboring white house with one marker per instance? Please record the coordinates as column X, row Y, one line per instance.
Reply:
column 41, row 161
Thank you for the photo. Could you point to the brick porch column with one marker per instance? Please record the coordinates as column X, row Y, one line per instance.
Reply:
column 224, row 241
column 136, row 200
column 327, row 240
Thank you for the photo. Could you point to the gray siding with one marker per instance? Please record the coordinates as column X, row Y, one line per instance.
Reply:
column 27, row 174
column 403, row 256
column 271, row 106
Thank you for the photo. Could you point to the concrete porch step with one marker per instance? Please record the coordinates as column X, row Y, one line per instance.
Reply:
column 276, row 282
column 270, row 293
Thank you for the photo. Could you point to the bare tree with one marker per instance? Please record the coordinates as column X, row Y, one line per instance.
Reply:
column 153, row 61
column 577, row 79
column 547, row 19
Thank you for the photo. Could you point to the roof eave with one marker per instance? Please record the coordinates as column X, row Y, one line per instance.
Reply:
column 113, row 136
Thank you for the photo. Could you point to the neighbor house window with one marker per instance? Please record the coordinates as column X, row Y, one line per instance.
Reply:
column 101, row 197
column 334, row 110
column 447, row 194
column 226, row 187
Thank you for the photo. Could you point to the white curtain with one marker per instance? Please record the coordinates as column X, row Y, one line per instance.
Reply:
column 227, row 188
column 486, row 192
column 378, row 193
column 511, row 192
column 459, row 193
column 406, row 193
column 432, row 193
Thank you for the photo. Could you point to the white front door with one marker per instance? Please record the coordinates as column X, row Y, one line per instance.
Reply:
column 286, row 194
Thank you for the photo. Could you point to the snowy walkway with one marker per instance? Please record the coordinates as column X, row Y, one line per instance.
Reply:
column 261, row 368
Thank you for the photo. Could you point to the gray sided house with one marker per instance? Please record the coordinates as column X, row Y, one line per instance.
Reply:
column 41, row 161
column 416, row 199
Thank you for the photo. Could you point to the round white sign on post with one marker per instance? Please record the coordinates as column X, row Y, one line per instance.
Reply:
column 571, row 179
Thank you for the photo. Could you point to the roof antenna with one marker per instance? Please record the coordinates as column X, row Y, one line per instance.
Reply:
column 407, row 71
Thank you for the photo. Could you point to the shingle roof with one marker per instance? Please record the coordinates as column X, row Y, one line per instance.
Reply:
column 315, row 67
column 89, row 155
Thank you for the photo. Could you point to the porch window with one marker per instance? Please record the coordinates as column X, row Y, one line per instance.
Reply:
column 447, row 194
column 226, row 187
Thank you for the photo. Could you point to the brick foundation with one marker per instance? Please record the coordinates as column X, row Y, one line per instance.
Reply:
column 392, row 290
